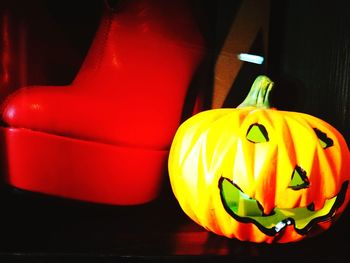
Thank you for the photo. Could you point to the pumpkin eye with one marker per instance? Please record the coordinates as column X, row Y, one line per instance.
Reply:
column 324, row 140
column 257, row 133
column 299, row 179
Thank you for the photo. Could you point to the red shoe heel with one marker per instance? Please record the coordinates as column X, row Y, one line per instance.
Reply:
column 105, row 137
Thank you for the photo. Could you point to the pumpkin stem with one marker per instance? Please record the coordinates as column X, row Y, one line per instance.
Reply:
column 259, row 94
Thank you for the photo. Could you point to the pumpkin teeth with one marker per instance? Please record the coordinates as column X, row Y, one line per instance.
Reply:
column 303, row 218
column 271, row 213
column 311, row 207
column 238, row 201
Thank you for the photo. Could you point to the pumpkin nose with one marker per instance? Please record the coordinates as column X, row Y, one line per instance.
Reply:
column 299, row 179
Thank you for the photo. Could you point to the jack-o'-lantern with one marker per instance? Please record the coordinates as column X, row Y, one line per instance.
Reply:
column 259, row 174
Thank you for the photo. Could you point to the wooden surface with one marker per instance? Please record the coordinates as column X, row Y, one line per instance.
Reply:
column 35, row 227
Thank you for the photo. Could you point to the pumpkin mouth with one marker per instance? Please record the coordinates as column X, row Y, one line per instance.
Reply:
column 248, row 210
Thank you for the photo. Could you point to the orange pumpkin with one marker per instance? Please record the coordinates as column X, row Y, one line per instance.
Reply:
column 259, row 174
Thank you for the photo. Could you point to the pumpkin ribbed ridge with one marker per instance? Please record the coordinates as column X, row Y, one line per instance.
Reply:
column 327, row 178
column 213, row 144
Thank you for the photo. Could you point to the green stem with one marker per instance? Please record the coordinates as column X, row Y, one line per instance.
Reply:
column 259, row 94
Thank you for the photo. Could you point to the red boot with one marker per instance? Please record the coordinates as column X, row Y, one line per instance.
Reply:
column 105, row 137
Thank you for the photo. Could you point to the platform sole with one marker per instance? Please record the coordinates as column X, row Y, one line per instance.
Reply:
column 82, row 170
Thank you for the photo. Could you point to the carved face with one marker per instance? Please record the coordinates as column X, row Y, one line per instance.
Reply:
column 273, row 221
column 248, row 210
column 261, row 175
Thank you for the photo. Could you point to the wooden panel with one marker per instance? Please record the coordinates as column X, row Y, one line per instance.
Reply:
column 251, row 18
column 311, row 59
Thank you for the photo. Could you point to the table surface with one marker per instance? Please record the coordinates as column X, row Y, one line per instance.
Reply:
column 43, row 228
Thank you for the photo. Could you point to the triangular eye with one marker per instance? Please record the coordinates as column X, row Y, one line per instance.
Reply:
column 257, row 133
column 299, row 179
column 324, row 140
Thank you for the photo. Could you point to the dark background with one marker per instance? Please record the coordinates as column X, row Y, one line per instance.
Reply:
column 309, row 58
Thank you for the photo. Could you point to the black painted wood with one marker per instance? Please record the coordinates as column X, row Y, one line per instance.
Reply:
column 310, row 59
column 42, row 228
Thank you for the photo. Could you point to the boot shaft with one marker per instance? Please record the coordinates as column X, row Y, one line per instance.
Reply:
column 139, row 39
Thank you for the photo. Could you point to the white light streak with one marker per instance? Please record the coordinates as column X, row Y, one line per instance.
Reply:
column 251, row 58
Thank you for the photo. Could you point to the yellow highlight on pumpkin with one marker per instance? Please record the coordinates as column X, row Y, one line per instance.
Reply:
column 288, row 170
